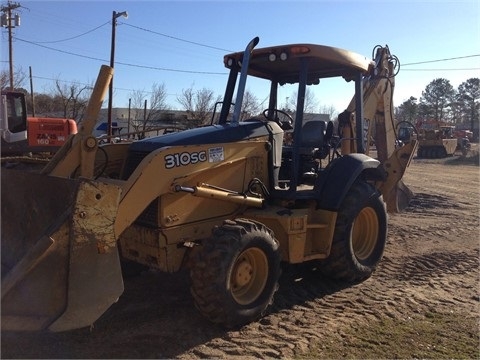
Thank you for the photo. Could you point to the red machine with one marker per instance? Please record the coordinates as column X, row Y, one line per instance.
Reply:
column 45, row 133
column 21, row 135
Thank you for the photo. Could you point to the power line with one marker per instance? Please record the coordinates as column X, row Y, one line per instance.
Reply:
column 135, row 27
column 71, row 38
column 207, row 46
column 58, row 50
column 176, row 38
column 216, row 73
column 463, row 69
column 121, row 63
column 439, row 60
column 168, row 69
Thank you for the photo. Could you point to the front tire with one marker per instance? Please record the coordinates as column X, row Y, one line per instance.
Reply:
column 235, row 274
column 360, row 235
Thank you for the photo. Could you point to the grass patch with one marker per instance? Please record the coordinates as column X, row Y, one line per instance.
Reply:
column 434, row 336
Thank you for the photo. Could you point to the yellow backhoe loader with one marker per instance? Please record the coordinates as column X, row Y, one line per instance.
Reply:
column 229, row 200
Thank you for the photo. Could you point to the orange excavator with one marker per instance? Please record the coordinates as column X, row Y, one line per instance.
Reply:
column 21, row 134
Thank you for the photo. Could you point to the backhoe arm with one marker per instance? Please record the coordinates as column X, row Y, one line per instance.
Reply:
column 378, row 108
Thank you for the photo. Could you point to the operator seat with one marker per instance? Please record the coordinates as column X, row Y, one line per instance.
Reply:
column 313, row 138
column 313, row 133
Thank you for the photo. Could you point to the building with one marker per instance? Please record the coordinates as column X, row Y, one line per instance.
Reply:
column 129, row 122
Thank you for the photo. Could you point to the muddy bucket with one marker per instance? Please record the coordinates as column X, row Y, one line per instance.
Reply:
column 60, row 264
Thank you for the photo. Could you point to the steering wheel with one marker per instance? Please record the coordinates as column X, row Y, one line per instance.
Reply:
column 285, row 121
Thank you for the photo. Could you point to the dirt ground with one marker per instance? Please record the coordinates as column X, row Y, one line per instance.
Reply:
column 422, row 302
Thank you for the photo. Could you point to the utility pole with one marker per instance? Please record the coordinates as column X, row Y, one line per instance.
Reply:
column 129, row 111
column 31, row 91
column 6, row 21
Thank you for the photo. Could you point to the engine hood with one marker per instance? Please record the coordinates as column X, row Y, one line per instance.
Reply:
column 212, row 134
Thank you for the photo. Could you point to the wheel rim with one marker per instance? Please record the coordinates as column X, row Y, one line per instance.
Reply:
column 365, row 233
column 249, row 276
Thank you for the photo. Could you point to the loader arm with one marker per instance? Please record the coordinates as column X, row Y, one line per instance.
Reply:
column 79, row 150
column 378, row 88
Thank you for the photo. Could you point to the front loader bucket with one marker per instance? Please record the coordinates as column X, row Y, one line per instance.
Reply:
column 60, row 265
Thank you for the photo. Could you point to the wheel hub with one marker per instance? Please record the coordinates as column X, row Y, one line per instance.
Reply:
column 249, row 275
column 365, row 233
column 243, row 273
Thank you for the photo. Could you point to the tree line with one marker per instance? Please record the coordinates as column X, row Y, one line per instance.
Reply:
column 440, row 101
column 147, row 107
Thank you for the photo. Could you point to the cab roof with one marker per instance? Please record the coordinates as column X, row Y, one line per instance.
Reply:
column 283, row 63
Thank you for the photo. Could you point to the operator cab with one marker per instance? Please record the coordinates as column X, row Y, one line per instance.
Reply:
column 306, row 145
column 13, row 122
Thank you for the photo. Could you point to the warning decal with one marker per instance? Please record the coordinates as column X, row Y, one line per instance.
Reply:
column 215, row 154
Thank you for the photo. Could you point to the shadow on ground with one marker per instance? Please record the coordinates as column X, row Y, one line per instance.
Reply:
column 156, row 318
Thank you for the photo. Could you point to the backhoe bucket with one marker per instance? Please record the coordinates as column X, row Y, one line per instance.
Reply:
column 395, row 193
column 398, row 198
column 60, row 264
column 403, row 195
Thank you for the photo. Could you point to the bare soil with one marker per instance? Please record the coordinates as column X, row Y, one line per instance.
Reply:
column 422, row 302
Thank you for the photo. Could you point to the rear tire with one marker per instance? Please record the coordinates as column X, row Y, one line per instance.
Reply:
column 360, row 235
column 235, row 274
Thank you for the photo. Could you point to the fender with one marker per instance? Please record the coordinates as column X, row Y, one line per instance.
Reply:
column 337, row 178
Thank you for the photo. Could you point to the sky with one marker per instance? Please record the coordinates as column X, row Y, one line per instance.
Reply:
column 181, row 44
